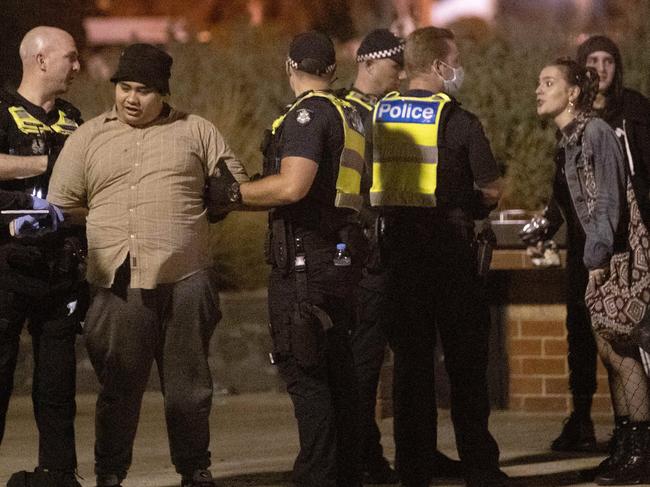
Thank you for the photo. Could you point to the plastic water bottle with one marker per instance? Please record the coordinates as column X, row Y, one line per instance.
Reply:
column 342, row 256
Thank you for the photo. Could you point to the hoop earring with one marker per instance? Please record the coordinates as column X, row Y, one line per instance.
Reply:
column 571, row 107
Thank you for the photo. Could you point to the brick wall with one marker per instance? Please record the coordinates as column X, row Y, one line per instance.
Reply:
column 537, row 350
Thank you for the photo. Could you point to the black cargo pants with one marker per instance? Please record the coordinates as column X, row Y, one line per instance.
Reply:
column 432, row 284
column 369, row 347
column 315, row 360
column 53, row 328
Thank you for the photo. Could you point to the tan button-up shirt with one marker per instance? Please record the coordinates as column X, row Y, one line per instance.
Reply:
column 143, row 188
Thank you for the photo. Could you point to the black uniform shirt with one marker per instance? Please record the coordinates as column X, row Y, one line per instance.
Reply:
column 465, row 157
column 314, row 130
column 14, row 141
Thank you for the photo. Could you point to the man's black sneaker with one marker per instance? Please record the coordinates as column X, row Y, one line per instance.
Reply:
column 577, row 435
column 199, row 478
column 380, row 473
column 446, row 468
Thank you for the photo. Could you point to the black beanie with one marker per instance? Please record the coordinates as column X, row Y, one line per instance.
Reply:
column 146, row 64
column 381, row 44
column 312, row 52
column 605, row 44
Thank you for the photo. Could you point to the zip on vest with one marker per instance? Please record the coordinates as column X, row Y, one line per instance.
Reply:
column 405, row 150
column 351, row 163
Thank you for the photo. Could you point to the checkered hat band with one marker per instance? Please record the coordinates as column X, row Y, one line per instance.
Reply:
column 384, row 53
column 295, row 65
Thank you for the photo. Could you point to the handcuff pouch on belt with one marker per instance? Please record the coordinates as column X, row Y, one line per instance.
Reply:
column 276, row 248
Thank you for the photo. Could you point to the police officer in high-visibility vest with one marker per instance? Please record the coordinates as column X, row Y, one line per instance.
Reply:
column 380, row 65
column 39, row 275
column 313, row 165
column 433, row 174
column 380, row 69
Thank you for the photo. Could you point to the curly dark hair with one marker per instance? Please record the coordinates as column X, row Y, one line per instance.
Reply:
column 584, row 78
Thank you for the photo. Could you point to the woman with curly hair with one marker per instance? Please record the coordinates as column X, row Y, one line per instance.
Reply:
column 593, row 190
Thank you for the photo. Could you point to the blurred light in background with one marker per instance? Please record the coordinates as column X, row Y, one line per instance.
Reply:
column 446, row 12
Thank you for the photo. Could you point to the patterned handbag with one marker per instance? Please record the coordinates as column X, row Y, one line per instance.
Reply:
column 619, row 307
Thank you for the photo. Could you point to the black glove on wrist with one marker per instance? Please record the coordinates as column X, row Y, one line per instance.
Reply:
column 222, row 193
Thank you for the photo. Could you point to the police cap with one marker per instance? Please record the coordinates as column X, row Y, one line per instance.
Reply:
column 312, row 52
column 146, row 64
column 381, row 44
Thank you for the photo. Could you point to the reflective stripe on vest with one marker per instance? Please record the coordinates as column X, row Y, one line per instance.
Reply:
column 351, row 163
column 405, row 150
column 29, row 124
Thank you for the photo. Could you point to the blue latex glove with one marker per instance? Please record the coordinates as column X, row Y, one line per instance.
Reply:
column 40, row 204
column 35, row 226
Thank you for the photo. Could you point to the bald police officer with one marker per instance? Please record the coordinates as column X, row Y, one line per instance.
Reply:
column 38, row 283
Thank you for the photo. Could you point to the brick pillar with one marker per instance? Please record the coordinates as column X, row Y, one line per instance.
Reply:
column 537, row 360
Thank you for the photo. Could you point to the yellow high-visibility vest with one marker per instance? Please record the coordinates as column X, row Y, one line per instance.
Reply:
column 357, row 98
column 29, row 124
column 351, row 163
column 405, row 150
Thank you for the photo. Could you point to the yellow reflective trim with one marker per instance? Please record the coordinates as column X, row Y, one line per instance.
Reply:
column 357, row 142
column 352, row 96
column 402, row 177
column 419, row 134
column 406, row 157
column 348, row 182
column 440, row 96
column 27, row 123
column 64, row 125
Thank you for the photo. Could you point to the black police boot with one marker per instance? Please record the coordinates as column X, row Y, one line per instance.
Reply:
column 199, row 478
column 633, row 468
column 577, row 435
column 42, row 477
column 446, row 468
column 492, row 478
column 380, row 472
column 617, row 446
column 110, row 480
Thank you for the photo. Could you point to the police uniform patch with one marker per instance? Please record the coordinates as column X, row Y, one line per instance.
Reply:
column 303, row 116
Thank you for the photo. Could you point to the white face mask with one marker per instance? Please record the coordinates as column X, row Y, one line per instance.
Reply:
column 452, row 86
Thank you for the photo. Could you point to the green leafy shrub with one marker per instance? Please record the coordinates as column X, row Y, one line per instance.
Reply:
column 238, row 82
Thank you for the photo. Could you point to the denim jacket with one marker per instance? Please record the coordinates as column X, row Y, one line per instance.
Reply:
column 596, row 177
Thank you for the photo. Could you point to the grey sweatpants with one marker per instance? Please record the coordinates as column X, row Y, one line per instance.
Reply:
column 126, row 330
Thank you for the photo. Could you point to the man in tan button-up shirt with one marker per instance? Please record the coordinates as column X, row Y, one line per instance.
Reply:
column 137, row 173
